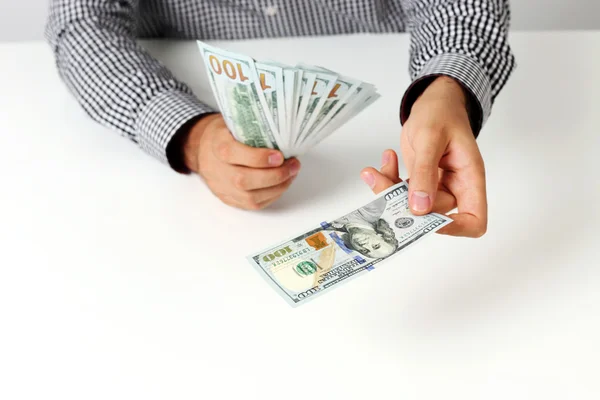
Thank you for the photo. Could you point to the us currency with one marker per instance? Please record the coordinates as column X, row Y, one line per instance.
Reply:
column 291, row 80
column 344, row 97
column 296, row 100
column 306, row 84
column 315, row 262
column 236, row 86
column 321, row 89
column 357, row 106
column 365, row 95
column 274, row 105
column 340, row 96
column 342, row 91
column 272, row 84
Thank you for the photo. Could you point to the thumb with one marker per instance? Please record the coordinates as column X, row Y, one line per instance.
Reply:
column 376, row 180
column 424, row 179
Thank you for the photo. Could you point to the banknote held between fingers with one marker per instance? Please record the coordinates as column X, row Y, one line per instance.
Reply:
column 239, row 175
column 442, row 157
column 245, row 178
column 230, row 151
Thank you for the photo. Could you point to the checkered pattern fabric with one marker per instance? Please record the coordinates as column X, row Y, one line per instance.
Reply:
column 121, row 86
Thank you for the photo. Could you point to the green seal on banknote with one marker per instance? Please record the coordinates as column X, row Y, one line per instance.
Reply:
column 306, row 268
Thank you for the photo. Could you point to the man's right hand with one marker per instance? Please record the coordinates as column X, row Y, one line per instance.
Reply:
column 241, row 176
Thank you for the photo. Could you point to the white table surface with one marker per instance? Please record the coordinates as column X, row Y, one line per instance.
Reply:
column 120, row 279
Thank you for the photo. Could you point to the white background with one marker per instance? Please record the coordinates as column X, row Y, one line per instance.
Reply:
column 24, row 20
column 108, row 291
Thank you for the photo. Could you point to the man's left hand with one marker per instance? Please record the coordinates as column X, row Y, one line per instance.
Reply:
column 443, row 160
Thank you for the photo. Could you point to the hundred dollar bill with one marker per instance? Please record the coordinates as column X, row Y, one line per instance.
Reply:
column 321, row 89
column 356, row 108
column 291, row 86
column 365, row 96
column 306, row 84
column 312, row 263
column 271, row 78
column 343, row 92
column 296, row 100
column 236, row 85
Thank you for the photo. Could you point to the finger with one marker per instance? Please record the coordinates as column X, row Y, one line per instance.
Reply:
column 389, row 166
column 230, row 201
column 245, row 178
column 424, row 176
column 469, row 188
column 230, row 151
column 376, row 180
column 465, row 225
column 255, row 199
column 444, row 202
column 407, row 152
column 237, row 202
column 267, row 203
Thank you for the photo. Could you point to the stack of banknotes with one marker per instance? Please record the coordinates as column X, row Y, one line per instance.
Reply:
column 332, row 252
column 289, row 108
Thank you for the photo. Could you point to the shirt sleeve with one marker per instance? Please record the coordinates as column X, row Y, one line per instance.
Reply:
column 465, row 40
column 116, row 81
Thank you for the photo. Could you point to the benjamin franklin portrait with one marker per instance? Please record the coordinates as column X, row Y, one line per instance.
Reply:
column 365, row 231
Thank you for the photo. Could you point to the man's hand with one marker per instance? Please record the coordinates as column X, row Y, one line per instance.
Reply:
column 443, row 160
column 241, row 176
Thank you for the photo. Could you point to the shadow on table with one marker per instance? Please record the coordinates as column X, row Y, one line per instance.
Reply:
column 320, row 178
column 534, row 258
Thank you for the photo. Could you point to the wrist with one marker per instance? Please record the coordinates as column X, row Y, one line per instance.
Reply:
column 432, row 88
column 459, row 98
column 191, row 143
column 446, row 89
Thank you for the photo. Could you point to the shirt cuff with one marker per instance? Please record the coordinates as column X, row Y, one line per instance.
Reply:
column 161, row 118
column 467, row 72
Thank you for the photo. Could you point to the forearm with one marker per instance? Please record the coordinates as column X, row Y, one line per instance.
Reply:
column 467, row 41
column 116, row 82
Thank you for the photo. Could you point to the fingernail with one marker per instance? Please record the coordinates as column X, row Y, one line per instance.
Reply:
column 294, row 168
column 275, row 159
column 385, row 158
column 368, row 178
column 420, row 201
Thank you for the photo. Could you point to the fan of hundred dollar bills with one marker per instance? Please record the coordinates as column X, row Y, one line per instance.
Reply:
column 272, row 105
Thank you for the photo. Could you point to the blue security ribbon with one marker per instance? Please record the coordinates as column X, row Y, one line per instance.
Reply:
column 325, row 225
column 338, row 240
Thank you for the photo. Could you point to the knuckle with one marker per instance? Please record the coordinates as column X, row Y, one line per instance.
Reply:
column 480, row 231
column 254, row 206
column 249, row 199
column 259, row 156
column 239, row 180
column 282, row 174
column 227, row 200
